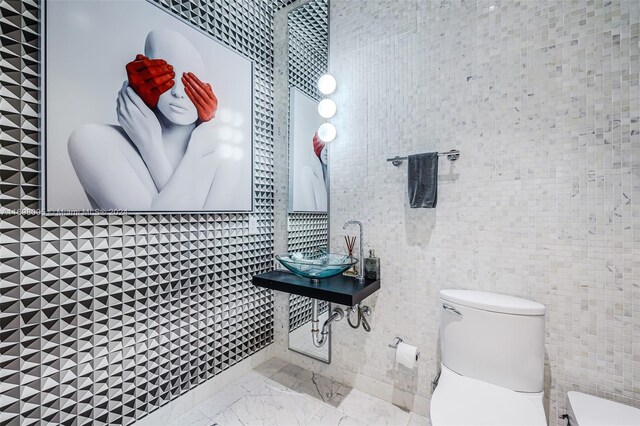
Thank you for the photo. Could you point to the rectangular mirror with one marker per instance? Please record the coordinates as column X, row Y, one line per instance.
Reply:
column 307, row 220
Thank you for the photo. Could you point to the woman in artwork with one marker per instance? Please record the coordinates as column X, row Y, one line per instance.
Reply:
column 320, row 149
column 163, row 156
column 313, row 178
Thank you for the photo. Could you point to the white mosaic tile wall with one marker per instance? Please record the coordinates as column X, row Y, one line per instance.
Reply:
column 542, row 99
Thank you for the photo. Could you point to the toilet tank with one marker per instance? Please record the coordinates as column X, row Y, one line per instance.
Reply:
column 493, row 337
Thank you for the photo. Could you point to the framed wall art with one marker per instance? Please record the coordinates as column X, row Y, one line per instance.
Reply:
column 143, row 113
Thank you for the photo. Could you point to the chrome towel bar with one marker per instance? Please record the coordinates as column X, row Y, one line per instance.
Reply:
column 452, row 155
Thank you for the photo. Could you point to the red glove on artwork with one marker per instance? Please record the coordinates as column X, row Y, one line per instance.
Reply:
column 318, row 145
column 202, row 96
column 150, row 78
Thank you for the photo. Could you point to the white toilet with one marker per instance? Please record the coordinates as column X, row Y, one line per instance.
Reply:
column 492, row 348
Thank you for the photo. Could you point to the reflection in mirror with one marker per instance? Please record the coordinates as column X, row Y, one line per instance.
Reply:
column 300, row 339
column 307, row 232
column 307, row 155
column 307, row 224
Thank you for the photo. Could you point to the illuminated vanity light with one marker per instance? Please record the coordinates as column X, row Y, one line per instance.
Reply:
column 327, row 132
column 327, row 84
column 327, row 108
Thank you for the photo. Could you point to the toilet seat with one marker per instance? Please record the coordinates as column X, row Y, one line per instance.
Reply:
column 460, row 400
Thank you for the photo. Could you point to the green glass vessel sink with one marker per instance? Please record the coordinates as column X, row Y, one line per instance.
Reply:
column 316, row 265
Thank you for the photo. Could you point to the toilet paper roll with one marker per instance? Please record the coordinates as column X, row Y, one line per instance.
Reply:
column 406, row 355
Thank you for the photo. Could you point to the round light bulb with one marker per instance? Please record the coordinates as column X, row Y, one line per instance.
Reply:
column 327, row 108
column 327, row 132
column 327, row 84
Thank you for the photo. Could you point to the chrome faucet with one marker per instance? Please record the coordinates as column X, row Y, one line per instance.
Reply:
column 360, row 276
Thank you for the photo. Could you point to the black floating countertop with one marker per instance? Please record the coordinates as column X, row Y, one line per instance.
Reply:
column 339, row 289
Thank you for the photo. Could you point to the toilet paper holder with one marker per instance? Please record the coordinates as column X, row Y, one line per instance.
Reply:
column 397, row 341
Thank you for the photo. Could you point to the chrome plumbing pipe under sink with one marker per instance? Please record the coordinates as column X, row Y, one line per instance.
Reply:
column 321, row 337
column 361, row 312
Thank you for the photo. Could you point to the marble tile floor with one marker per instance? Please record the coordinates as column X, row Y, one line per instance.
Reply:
column 278, row 393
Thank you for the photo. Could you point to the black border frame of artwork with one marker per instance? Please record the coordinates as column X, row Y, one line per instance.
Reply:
column 43, row 131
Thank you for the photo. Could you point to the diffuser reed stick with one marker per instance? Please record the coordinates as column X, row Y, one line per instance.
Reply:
column 351, row 242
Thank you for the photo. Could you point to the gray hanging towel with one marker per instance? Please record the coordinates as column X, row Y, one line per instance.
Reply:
column 423, row 180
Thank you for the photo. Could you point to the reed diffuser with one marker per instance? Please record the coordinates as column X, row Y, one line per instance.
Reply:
column 351, row 243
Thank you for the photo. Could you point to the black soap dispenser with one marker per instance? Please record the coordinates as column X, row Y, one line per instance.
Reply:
column 372, row 266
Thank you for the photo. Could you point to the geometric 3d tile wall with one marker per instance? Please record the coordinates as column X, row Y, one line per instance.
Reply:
column 105, row 318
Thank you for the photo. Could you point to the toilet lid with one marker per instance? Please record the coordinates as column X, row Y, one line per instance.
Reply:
column 460, row 400
column 592, row 411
